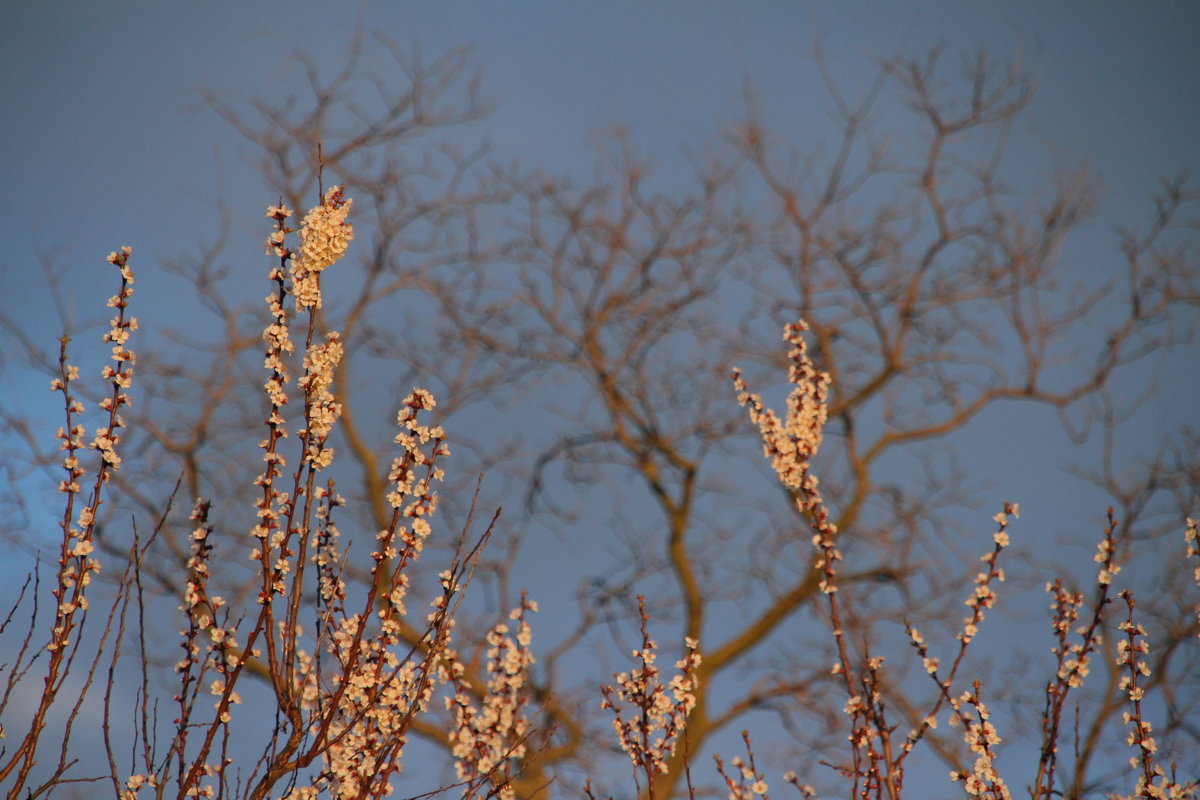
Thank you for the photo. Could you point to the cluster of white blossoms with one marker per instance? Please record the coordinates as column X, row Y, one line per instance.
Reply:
column 413, row 472
column 364, row 707
column 352, row 701
column 324, row 544
column 1074, row 658
column 376, row 695
column 324, row 236
column 135, row 783
column 980, row 735
column 322, row 409
column 488, row 737
column 790, row 445
column 651, row 732
column 380, row 686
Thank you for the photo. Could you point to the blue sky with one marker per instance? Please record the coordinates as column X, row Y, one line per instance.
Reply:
column 107, row 139
column 106, row 130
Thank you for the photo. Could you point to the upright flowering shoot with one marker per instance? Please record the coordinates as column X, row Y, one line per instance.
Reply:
column 790, row 445
column 651, row 732
column 490, row 738
column 76, row 563
column 324, row 235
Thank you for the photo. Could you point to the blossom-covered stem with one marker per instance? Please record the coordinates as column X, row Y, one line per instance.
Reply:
column 790, row 445
column 749, row 782
column 75, row 565
column 487, row 740
column 876, row 768
column 1153, row 781
column 981, row 737
column 324, row 235
column 661, row 710
column 982, row 598
column 330, row 588
column 279, row 346
column 285, row 580
column 1073, row 659
column 200, row 618
column 1131, row 651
